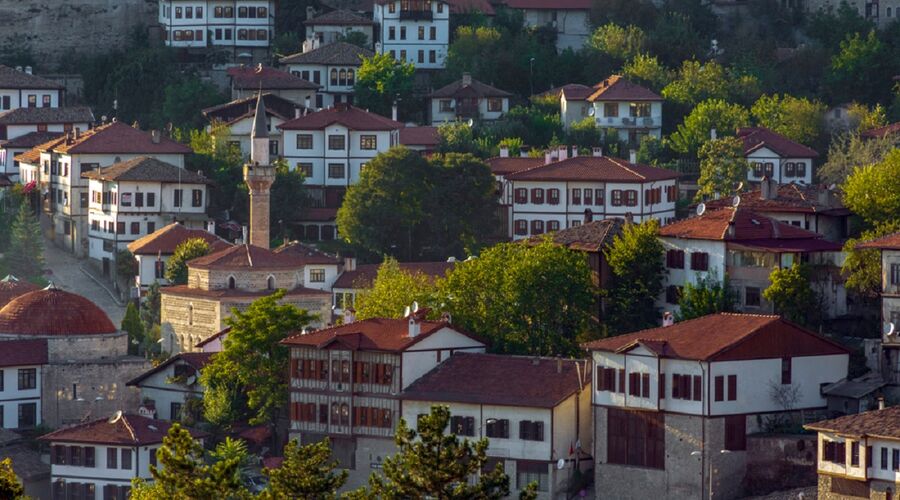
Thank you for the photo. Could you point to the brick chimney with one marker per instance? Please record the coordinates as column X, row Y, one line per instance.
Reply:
column 596, row 151
column 466, row 79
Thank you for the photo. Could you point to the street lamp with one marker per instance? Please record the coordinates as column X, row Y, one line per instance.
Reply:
column 699, row 453
column 531, row 75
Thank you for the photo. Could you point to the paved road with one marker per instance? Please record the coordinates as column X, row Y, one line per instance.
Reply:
column 65, row 272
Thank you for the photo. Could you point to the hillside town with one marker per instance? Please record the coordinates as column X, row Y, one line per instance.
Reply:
column 452, row 249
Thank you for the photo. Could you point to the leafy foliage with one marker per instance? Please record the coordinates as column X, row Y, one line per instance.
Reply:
column 288, row 198
column 862, row 267
column 873, row 191
column 849, row 151
column 713, row 114
column 26, row 248
column 708, row 296
column 126, row 266
column 380, row 81
column 646, row 70
column 307, row 472
column 722, row 167
column 622, row 43
column 796, row 118
column 10, row 486
column 636, row 264
column 184, row 98
column 393, row 289
column 176, row 267
column 584, row 133
column 133, row 325
column 856, row 70
column 832, row 26
column 792, row 294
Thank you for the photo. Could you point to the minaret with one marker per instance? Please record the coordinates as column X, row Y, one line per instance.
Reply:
column 259, row 176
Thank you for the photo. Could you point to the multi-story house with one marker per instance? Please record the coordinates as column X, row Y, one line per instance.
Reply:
column 249, row 81
column 889, row 359
column 626, row 109
column 130, row 199
column 746, row 246
column 414, row 31
column 673, row 405
column 23, row 128
column 423, row 139
column 21, row 366
column 536, row 412
column 858, row 456
column 153, row 251
column 345, row 383
column 775, row 157
column 468, row 99
column 60, row 163
column 21, row 89
column 573, row 104
column 173, row 387
column 333, row 66
column 879, row 12
column 11, row 168
column 569, row 19
column 103, row 456
column 333, row 26
column 567, row 191
column 248, row 25
column 235, row 120
column 502, row 166
column 331, row 147
column 355, row 279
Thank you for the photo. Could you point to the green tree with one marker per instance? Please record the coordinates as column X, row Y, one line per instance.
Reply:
column 620, row 42
column 432, row 464
column 253, row 361
column 714, row 114
column 796, row 118
column 150, row 306
column 26, row 249
column 873, row 191
column 357, row 38
column 584, row 133
column 176, row 267
column 525, row 299
column 392, row 291
column 133, row 325
column 10, row 486
column 126, row 266
column 857, row 71
column 647, row 70
column 307, row 472
column 233, row 451
column 635, row 261
column 865, row 117
column 792, row 294
column 182, row 472
column 708, row 295
column 832, row 26
column 183, row 100
column 698, row 82
column 862, row 267
column 288, row 198
column 849, row 151
column 457, row 137
column 380, row 81
column 722, row 167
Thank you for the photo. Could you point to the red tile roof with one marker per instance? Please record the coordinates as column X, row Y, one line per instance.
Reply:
column 798, row 198
column 572, row 91
column 30, row 140
column 23, row 352
column 164, row 240
column 364, row 275
column 501, row 380
column 875, row 423
column 11, row 78
column 374, row 334
column 588, row 237
column 335, row 54
column 748, row 225
column 617, row 88
column 889, row 242
column 196, row 360
column 510, row 164
column 306, row 254
column 893, row 128
column 237, row 109
column 594, row 168
column 46, row 115
column 122, row 429
column 725, row 337
column 549, row 5
column 342, row 114
column 237, row 293
column 339, row 18
column 265, row 78
column 473, row 89
column 246, row 257
column 419, row 136
column 760, row 137
column 146, row 169
column 11, row 287
column 117, row 138
column 221, row 333
column 52, row 311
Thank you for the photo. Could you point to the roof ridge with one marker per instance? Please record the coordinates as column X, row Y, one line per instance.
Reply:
column 616, row 161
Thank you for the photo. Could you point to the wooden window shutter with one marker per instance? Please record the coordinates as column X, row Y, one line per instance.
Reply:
column 662, row 385
column 539, row 431
column 622, row 380
column 645, row 385
column 357, row 411
column 293, row 411
column 373, row 416
column 676, row 386
column 294, row 370
column 732, row 387
column 698, row 388
column 523, row 429
column 720, row 387
column 53, row 455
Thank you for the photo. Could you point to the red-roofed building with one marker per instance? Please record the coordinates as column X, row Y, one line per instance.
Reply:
column 345, row 382
column 154, row 250
column 466, row 99
column 248, row 81
column 775, row 157
column 569, row 18
column 745, row 246
column 418, row 32
column 332, row 65
column 423, row 139
column 331, row 27
column 167, row 388
column 674, row 404
column 358, row 278
column 237, row 117
column 563, row 191
column 891, row 130
column 244, row 28
column 633, row 111
column 20, row 403
column 889, row 246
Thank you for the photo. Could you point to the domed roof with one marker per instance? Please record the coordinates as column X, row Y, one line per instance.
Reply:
column 11, row 287
column 52, row 311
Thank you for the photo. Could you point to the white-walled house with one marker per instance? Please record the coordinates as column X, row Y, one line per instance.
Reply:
column 250, row 81
column 23, row 128
column 673, row 405
column 356, row 278
column 21, row 366
column 154, row 250
column 331, row 147
column 345, row 383
column 331, row 27
column 244, row 24
column 99, row 459
column 333, row 66
column 566, row 191
column 467, row 98
column 11, row 149
column 858, row 456
column 573, row 104
column 889, row 246
column 168, row 388
column 569, row 18
column 534, row 411
column 775, row 157
column 320, row 270
column 21, row 89
column 414, row 31
column 627, row 109
column 237, row 119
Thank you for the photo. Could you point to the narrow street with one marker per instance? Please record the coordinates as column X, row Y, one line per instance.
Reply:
column 64, row 270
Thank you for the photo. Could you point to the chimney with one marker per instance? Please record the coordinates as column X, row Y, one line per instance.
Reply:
column 349, row 315
column 597, row 151
column 28, row 69
column 712, row 134
column 77, row 132
column 310, row 12
column 632, row 156
column 211, row 227
column 523, row 152
column 504, row 151
column 19, row 69
column 414, row 326
column 547, row 157
column 445, row 316
column 731, row 229
column 880, row 402
column 308, row 102
column 668, row 319
column 764, row 187
column 466, row 79
column 562, row 152
column 155, row 136
column 243, row 235
column 394, row 111
column 349, row 264
column 297, row 110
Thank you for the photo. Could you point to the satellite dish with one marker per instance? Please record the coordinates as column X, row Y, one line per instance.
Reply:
column 740, row 186
column 470, row 121
column 736, row 200
column 116, row 417
column 415, row 306
column 889, row 330
column 701, row 208
column 561, row 464
column 591, row 111
column 406, row 312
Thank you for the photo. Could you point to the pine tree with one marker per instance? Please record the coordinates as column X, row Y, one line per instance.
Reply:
column 307, row 472
column 10, row 486
column 150, row 307
column 132, row 324
column 26, row 249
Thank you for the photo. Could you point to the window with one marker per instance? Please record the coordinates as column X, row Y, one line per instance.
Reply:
column 639, row 109
column 770, row 169
column 120, row 228
column 403, row 55
column 45, row 100
column 732, row 388
column 588, row 197
column 699, row 261
column 446, row 105
column 440, row 8
column 151, row 227
column 895, row 274
column 368, row 142
column 126, row 459
column 611, row 109
column 553, row 196
column 197, row 198
column 462, row 426
column 317, row 275
column 495, row 104
column 854, row 454
column 531, row 430
column 432, row 34
column 884, row 458
column 421, row 32
column 532, row 472
column 576, row 196
column 392, row 33
column 306, row 169
column 521, row 195
column 27, row 415
column 189, row 12
column 135, row 228
column 27, row 378
column 606, row 379
column 497, row 428
column 537, row 227
column 785, row 371
column 719, row 382
column 159, row 269
column 177, row 197
column 673, row 294
column 789, row 169
column 801, row 169
column 675, row 259
column 270, row 283
column 552, row 225
column 112, row 455
column 521, row 228
column 752, row 296
column 835, row 452
column 335, row 170
column 682, row 385
column 402, row 37
column 736, row 433
column 599, row 197
column 336, row 142
column 242, row 11
column 392, row 7
column 537, row 196
column 636, row 438
column 32, row 101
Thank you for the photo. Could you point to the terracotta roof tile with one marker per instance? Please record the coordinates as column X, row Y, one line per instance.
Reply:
column 549, row 4
column 893, row 128
column 33, row 155
column 342, row 114
column 589, row 237
column 52, row 311
column 266, row 78
column 748, row 226
column 419, row 136
column 364, row 275
column 337, row 53
column 246, row 107
column 475, row 89
column 10, row 78
column 594, row 168
column 875, row 423
column 31, row 116
column 799, row 198
column 339, row 18
column 125, row 429
column 23, row 352
column 510, row 164
column 889, row 242
column 617, row 88
column 500, row 380
column 118, row 138
column 725, row 337
column 374, row 334
column 145, row 168
column 30, row 140
column 164, row 240
column 237, row 293
column 760, row 137
column 196, row 360
column 11, row 287
column 221, row 333
column 246, row 257
column 306, row 254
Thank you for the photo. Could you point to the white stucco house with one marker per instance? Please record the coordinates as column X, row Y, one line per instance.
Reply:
column 465, row 99
column 775, row 157
column 627, row 109
column 19, row 88
column 21, row 366
column 235, row 120
column 333, row 66
column 416, row 31
column 168, row 388
column 23, row 128
column 154, row 250
column 570, row 19
column 249, row 81
column 889, row 247
column 248, row 25
column 333, row 26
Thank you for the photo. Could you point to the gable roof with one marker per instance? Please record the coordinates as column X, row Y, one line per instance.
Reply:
column 221, row 333
column 121, row 429
column 33, row 155
column 792, row 197
column 245, row 107
column 306, row 255
column 196, row 360
column 164, row 240
column 373, row 334
column 342, row 114
column 888, row 242
column 419, row 136
column 473, row 89
column 266, row 78
column 145, row 169
column 23, row 352
column 617, row 88
column 364, row 275
column 893, row 128
column 337, row 54
column 588, row 237
column 725, row 337
column 246, row 256
column 875, row 423
column 30, row 140
column 31, row 116
column 501, row 380
column 10, row 78
column 339, row 17
column 504, row 165
column 115, row 138
column 760, row 137
column 593, row 168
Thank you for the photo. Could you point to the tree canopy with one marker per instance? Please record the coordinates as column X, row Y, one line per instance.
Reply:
column 708, row 295
column 712, row 114
column 873, row 191
column 793, row 296
column 26, row 248
column 10, row 486
column 635, row 261
column 722, row 167
column 392, row 291
column 306, row 472
column 848, row 151
column 176, row 267
column 382, row 80
column 796, row 118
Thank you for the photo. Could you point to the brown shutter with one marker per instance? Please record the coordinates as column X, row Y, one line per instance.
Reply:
column 53, row 455
column 676, row 386
column 732, row 387
column 622, row 380
column 720, row 387
column 645, row 385
column 698, row 388
column 294, row 372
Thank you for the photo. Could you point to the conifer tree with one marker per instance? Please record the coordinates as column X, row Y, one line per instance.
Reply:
column 307, row 472
column 26, row 249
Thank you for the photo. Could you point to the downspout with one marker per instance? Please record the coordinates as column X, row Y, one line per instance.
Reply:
column 703, row 444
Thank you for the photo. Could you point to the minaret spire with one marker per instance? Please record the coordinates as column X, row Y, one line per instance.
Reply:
column 259, row 134
column 259, row 176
